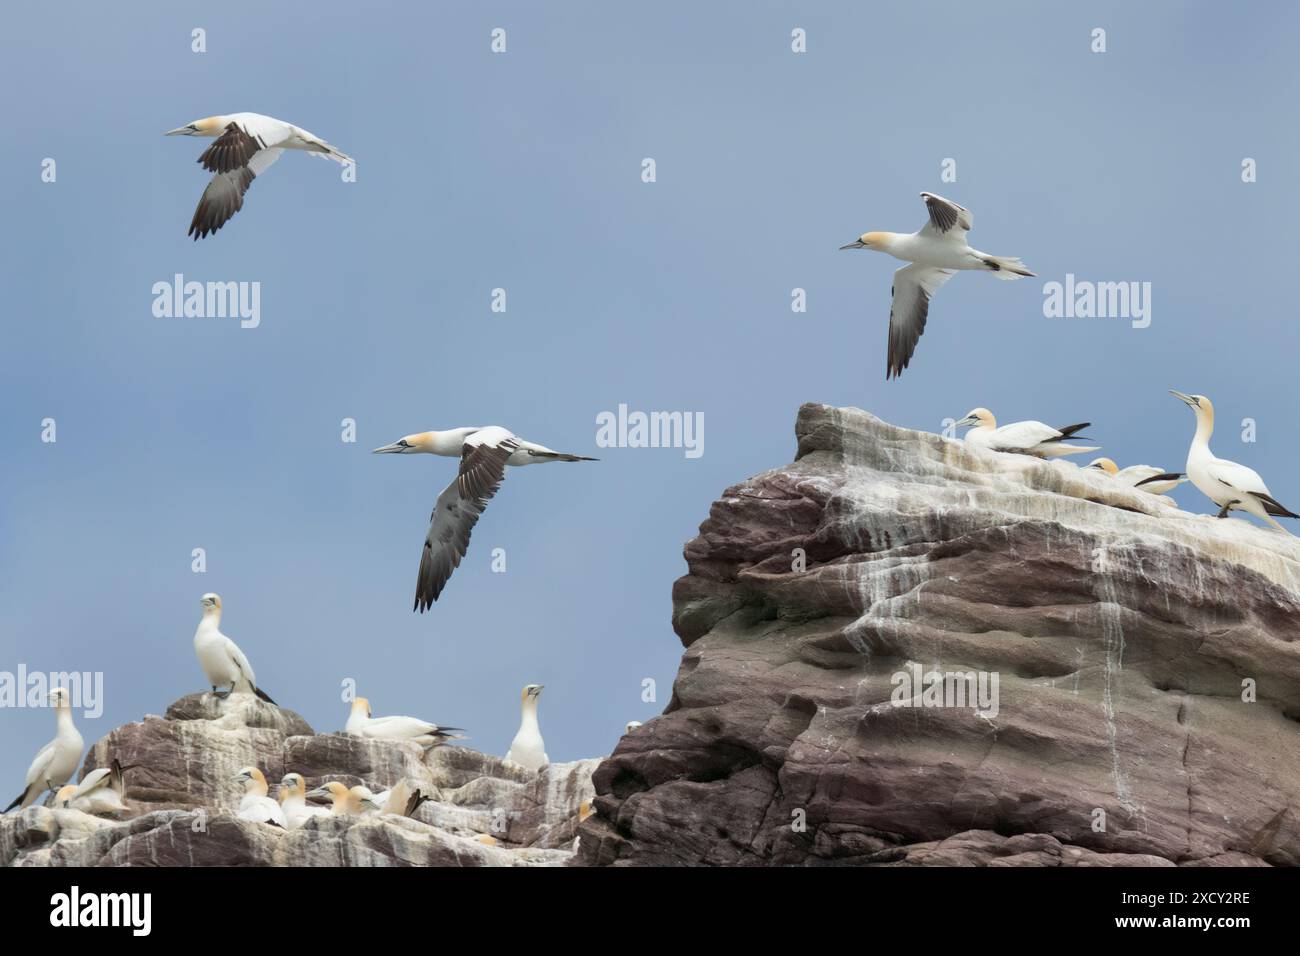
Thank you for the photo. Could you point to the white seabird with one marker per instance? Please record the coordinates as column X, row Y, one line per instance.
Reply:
column 56, row 761
column 484, row 454
column 528, row 749
column 256, row 805
column 422, row 732
column 402, row 799
column 1149, row 478
column 342, row 801
column 1232, row 486
column 222, row 660
column 246, row 145
column 101, row 791
column 293, row 801
column 936, row 252
column 631, row 726
column 1023, row 438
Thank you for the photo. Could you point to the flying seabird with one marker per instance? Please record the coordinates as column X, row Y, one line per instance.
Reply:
column 1146, row 477
column 527, row 749
column 1023, row 438
column 246, row 145
column 256, row 805
column 56, row 761
column 293, row 801
column 361, row 724
column 1232, row 486
column 484, row 454
column 101, row 791
column 936, row 252
column 222, row 660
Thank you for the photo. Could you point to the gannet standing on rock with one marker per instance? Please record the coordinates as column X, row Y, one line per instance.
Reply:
column 101, row 791
column 937, row 251
column 256, row 805
column 1023, row 438
column 1148, row 478
column 527, row 749
column 484, row 454
column 293, row 801
column 361, row 724
column 56, row 761
column 222, row 660
column 246, row 145
column 1232, row 486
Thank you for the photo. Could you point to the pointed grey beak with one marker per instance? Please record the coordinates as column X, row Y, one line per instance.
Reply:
column 855, row 244
column 394, row 448
column 1183, row 398
column 179, row 131
column 966, row 421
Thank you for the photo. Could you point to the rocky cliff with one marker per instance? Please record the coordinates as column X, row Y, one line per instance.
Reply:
column 1131, row 672
column 182, row 799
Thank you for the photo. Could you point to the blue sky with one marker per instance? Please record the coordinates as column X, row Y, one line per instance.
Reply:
column 522, row 171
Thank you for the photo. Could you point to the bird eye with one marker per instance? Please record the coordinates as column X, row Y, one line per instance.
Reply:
column 404, row 443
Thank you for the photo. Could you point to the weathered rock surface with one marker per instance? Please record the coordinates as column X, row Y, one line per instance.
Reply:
column 1125, row 635
column 182, row 799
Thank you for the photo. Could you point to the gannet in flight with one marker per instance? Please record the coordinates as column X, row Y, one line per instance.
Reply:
column 1232, row 486
column 56, row 761
column 101, row 791
column 936, row 251
column 361, row 724
column 1024, row 438
column 527, row 749
column 293, row 801
column 222, row 660
column 1146, row 477
column 246, row 145
column 483, row 454
column 256, row 805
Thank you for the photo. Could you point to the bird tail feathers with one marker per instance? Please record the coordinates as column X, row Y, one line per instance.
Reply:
column 263, row 695
column 1006, row 267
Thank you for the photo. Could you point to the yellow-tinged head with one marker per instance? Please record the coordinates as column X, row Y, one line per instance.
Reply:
column 879, row 241
column 60, row 698
column 531, row 692
column 979, row 417
column 64, row 795
column 409, row 444
column 210, row 602
column 208, row 126
column 292, row 785
column 253, row 779
column 361, row 705
column 1104, row 464
column 1199, row 404
column 334, row 791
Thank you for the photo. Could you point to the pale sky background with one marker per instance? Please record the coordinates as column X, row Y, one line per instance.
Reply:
column 522, row 171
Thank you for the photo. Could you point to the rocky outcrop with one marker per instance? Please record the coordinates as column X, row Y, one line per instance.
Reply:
column 1147, row 669
column 182, row 799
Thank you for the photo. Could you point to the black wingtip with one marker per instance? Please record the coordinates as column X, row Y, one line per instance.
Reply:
column 263, row 695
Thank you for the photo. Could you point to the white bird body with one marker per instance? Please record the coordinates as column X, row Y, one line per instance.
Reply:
column 255, row 805
column 1147, row 478
column 936, row 252
column 1232, row 486
column 1023, row 438
column 422, row 732
column 57, row 761
column 484, row 454
column 293, row 801
column 528, row 750
column 101, row 791
column 247, row 145
column 221, row 659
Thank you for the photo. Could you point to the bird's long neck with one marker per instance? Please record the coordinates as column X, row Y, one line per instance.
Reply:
column 528, row 714
column 63, row 717
column 450, row 442
column 211, row 617
column 1204, row 429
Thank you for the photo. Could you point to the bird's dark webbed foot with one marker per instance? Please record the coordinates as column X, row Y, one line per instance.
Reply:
column 1223, row 512
column 222, row 695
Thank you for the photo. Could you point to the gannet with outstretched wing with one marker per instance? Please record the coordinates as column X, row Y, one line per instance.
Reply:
column 256, row 805
column 56, row 761
column 1148, row 478
column 220, row 657
column 528, row 750
column 246, row 145
column 422, row 732
column 936, row 252
column 1232, row 486
column 1022, row 438
column 101, row 791
column 484, row 454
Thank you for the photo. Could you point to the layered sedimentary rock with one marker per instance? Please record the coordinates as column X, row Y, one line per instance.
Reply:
column 182, row 799
column 1145, row 660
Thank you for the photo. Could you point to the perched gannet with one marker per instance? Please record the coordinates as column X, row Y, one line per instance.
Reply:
column 256, row 805
column 1232, row 486
column 527, row 749
column 56, row 761
column 101, row 791
column 361, row 724
column 1147, row 477
column 222, row 660
column 483, row 454
column 937, row 251
column 631, row 726
column 342, row 800
column 293, row 801
column 246, row 145
column 402, row 799
column 1024, row 438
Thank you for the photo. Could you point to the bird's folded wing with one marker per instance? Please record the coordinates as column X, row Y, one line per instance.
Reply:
column 94, row 780
column 1238, row 477
column 946, row 218
column 1020, row 436
column 482, row 469
column 400, row 727
column 224, row 195
column 913, row 286
column 41, row 761
column 241, row 661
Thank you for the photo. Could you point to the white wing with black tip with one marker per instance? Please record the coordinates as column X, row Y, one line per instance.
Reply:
column 224, row 195
column 947, row 219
